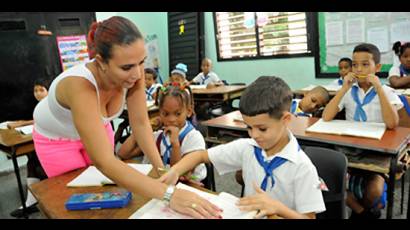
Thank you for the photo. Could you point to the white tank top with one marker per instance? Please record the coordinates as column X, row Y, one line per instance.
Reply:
column 53, row 120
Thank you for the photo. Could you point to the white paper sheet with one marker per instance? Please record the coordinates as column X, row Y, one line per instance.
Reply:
column 93, row 177
column 350, row 128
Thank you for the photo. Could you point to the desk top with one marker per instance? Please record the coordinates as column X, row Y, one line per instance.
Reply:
column 11, row 137
column 52, row 193
column 393, row 141
column 220, row 89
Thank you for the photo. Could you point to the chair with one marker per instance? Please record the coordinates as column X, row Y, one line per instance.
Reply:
column 332, row 168
column 226, row 107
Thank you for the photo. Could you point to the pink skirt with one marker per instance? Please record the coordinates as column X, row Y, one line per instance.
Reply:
column 58, row 156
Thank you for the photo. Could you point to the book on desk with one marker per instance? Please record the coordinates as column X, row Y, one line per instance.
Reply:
column 155, row 208
column 93, row 177
column 349, row 128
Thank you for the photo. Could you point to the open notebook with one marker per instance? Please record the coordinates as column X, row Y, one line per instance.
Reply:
column 156, row 209
column 328, row 87
column 197, row 86
column 93, row 177
column 350, row 128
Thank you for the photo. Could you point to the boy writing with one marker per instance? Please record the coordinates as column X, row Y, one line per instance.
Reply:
column 365, row 99
column 279, row 178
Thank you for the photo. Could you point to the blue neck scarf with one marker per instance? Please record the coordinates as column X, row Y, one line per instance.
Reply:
column 359, row 113
column 204, row 78
column 149, row 93
column 404, row 71
column 340, row 82
column 268, row 166
column 168, row 147
column 405, row 103
column 294, row 107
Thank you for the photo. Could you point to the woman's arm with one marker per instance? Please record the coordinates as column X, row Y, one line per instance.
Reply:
column 129, row 149
column 139, row 121
column 81, row 98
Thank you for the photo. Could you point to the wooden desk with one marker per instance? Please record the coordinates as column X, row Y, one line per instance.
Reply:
column 153, row 113
column 300, row 93
column 218, row 94
column 390, row 147
column 15, row 144
column 52, row 193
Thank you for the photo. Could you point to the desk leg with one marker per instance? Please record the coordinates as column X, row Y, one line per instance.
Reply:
column 408, row 200
column 390, row 187
column 20, row 186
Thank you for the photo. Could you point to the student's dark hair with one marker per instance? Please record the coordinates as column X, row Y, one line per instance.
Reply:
column 399, row 48
column 182, row 92
column 116, row 30
column 323, row 91
column 346, row 59
column 267, row 94
column 151, row 71
column 42, row 82
column 369, row 48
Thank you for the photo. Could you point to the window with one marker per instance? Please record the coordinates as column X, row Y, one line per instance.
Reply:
column 250, row 35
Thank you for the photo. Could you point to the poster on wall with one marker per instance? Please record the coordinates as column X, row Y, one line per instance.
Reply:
column 152, row 60
column 152, row 49
column 73, row 50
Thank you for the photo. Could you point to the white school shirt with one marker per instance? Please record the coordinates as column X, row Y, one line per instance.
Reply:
column 296, row 181
column 373, row 110
column 395, row 71
column 193, row 141
column 213, row 78
column 154, row 88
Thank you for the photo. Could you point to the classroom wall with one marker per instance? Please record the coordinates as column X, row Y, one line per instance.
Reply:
column 297, row 72
column 149, row 23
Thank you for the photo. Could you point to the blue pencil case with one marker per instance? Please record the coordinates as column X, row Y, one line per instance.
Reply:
column 86, row 201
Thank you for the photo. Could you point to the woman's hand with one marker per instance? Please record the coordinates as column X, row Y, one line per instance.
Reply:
column 193, row 205
column 260, row 202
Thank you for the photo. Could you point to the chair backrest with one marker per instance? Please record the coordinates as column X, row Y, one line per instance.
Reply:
column 332, row 168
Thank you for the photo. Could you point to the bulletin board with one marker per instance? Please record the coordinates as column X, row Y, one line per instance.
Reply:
column 340, row 32
column 72, row 50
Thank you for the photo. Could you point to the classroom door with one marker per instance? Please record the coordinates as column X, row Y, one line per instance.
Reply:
column 186, row 41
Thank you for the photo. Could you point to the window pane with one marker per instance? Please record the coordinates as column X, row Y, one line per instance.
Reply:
column 240, row 34
column 283, row 33
column 235, row 36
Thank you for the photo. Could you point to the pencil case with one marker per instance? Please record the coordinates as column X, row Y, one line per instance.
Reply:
column 86, row 201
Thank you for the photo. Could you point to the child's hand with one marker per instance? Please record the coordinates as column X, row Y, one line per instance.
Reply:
column 375, row 81
column 170, row 177
column 260, row 202
column 348, row 80
column 173, row 132
column 188, row 177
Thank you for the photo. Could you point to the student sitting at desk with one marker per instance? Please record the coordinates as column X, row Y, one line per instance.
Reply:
column 178, row 137
column 151, row 84
column 345, row 67
column 365, row 99
column 178, row 75
column 311, row 102
column 207, row 76
column 399, row 75
column 35, row 172
column 279, row 178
